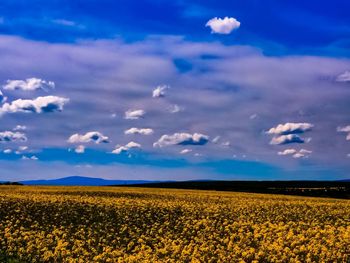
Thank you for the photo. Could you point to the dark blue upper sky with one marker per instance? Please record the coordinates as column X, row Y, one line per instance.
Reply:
column 279, row 27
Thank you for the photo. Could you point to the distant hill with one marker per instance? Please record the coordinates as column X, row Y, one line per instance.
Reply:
column 335, row 189
column 84, row 181
column 344, row 180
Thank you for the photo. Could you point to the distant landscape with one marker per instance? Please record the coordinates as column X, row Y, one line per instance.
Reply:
column 334, row 189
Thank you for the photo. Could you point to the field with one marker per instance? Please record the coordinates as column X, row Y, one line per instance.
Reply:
column 112, row 224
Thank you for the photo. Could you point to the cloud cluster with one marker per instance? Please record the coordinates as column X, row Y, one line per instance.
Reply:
column 296, row 154
column 287, row 133
column 134, row 114
column 142, row 131
column 290, row 128
column 344, row 77
column 93, row 136
column 9, row 136
column 223, row 26
column 122, row 149
column 159, row 91
column 182, row 139
column 38, row 105
column 29, row 84
column 345, row 129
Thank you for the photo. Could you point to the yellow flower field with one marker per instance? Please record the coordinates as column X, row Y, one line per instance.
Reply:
column 112, row 224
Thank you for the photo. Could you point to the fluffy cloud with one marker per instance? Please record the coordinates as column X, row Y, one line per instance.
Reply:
column 122, row 149
column 28, row 84
column 7, row 151
column 143, row 131
column 344, row 77
column 9, row 136
column 159, row 91
column 285, row 139
column 296, row 154
column 20, row 128
column 93, row 136
column 182, row 139
column 134, row 114
column 345, row 129
column 290, row 128
column 223, row 26
column 38, row 105
column 80, row 149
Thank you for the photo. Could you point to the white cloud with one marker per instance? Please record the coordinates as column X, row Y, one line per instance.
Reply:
column 142, row 131
column 253, row 116
column 184, row 151
column 285, row 139
column 344, row 77
column 159, row 91
column 175, row 108
column 7, row 151
column 21, row 149
column 287, row 152
column 216, row 139
column 290, row 127
column 133, row 145
column 122, row 149
column 38, row 105
column 226, row 144
column 93, row 136
column 345, row 129
column 134, row 114
column 80, row 149
column 9, row 136
column 20, row 128
column 223, row 26
column 296, row 154
column 29, row 84
column 181, row 139
column 33, row 157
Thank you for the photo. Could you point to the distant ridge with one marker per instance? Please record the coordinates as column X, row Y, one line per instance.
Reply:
column 84, row 181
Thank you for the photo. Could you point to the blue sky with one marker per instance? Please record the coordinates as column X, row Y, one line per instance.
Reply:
column 175, row 90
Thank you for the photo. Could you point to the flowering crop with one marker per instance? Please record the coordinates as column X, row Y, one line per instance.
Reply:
column 110, row 224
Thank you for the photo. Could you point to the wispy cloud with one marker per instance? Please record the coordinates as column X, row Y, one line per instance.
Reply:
column 29, row 84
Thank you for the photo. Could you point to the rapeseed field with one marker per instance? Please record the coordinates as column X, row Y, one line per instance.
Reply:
column 116, row 224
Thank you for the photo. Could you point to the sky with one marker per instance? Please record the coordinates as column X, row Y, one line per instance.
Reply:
column 175, row 90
